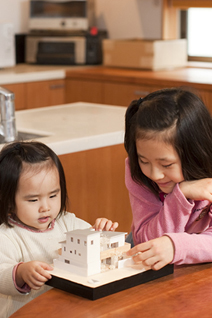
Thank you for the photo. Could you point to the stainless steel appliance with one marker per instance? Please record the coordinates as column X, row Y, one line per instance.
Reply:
column 64, row 50
column 58, row 15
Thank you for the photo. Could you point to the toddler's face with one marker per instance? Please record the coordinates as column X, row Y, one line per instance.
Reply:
column 160, row 162
column 38, row 197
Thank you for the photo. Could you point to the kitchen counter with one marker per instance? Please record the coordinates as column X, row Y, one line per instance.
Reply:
column 193, row 75
column 74, row 127
column 22, row 73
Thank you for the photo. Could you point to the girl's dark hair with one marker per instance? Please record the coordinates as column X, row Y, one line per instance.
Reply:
column 12, row 157
column 186, row 125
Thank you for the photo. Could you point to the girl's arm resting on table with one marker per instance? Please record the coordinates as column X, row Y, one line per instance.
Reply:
column 192, row 248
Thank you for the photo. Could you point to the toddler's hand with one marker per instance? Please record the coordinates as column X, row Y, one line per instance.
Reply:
column 197, row 189
column 102, row 224
column 155, row 253
column 33, row 273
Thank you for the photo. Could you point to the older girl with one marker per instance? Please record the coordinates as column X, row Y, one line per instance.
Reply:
column 169, row 177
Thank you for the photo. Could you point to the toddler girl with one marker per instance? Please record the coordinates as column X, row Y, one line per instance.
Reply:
column 33, row 220
column 168, row 139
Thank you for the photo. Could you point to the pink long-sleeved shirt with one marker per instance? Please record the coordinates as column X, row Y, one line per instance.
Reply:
column 188, row 223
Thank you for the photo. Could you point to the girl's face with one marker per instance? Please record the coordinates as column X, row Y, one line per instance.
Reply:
column 38, row 197
column 160, row 162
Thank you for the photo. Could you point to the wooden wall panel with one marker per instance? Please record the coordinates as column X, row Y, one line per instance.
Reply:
column 96, row 186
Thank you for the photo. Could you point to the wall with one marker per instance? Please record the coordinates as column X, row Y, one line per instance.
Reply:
column 16, row 12
column 122, row 18
column 130, row 18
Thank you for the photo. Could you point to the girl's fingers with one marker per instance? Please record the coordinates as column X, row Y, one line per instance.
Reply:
column 114, row 226
column 105, row 225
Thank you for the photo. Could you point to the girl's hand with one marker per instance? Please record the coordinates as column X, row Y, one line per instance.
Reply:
column 155, row 253
column 197, row 189
column 33, row 273
column 102, row 224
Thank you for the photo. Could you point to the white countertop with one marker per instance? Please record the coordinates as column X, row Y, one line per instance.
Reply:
column 22, row 73
column 74, row 127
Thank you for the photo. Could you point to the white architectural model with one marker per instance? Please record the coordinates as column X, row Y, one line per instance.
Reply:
column 88, row 252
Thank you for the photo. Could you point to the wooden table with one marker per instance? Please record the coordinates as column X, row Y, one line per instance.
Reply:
column 185, row 294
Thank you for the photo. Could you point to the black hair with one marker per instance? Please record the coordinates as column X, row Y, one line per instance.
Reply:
column 186, row 124
column 12, row 158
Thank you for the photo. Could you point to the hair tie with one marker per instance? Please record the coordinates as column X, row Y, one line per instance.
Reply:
column 140, row 100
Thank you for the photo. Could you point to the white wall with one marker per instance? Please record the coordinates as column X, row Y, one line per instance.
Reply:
column 122, row 18
column 16, row 12
column 130, row 18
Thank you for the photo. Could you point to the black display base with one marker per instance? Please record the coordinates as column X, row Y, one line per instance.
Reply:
column 94, row 293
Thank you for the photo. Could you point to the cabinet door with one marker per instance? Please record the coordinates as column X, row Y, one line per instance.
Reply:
column 45, row 93
column 96, row 186
column 83, row 91
column 122, row 94
column 18, row 90
column 207, row 98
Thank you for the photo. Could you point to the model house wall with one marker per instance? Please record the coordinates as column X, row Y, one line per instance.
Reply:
column 85, row 252
column 80, row 252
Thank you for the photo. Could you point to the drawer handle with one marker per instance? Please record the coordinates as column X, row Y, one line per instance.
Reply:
column 141, row 93
column 56, row 86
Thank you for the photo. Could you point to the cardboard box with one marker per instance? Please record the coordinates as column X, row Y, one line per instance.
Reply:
column 145, row 54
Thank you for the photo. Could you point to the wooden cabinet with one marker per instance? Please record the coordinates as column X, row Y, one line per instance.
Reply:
column 96, row 186
column 206, row 96
column 84, row 91
column 114, row 86
column 122, row 94
column 103, row 90
column 45, row 93
column 38, row 94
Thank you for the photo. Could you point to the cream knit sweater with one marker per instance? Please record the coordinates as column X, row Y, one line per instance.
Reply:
column 20, row 244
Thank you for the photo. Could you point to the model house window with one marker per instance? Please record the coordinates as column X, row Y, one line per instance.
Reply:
column 114, row 245
column 64, row 248
column 78, row 241
column 92, row 242
column 67, row 261
column 85, row 243
column 72, row 239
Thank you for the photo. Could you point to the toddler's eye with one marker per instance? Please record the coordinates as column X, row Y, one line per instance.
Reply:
column 53, row 196
column 34, row 200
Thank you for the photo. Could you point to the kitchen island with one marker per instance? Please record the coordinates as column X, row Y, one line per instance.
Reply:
column 74, row 127
column 89, row 141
